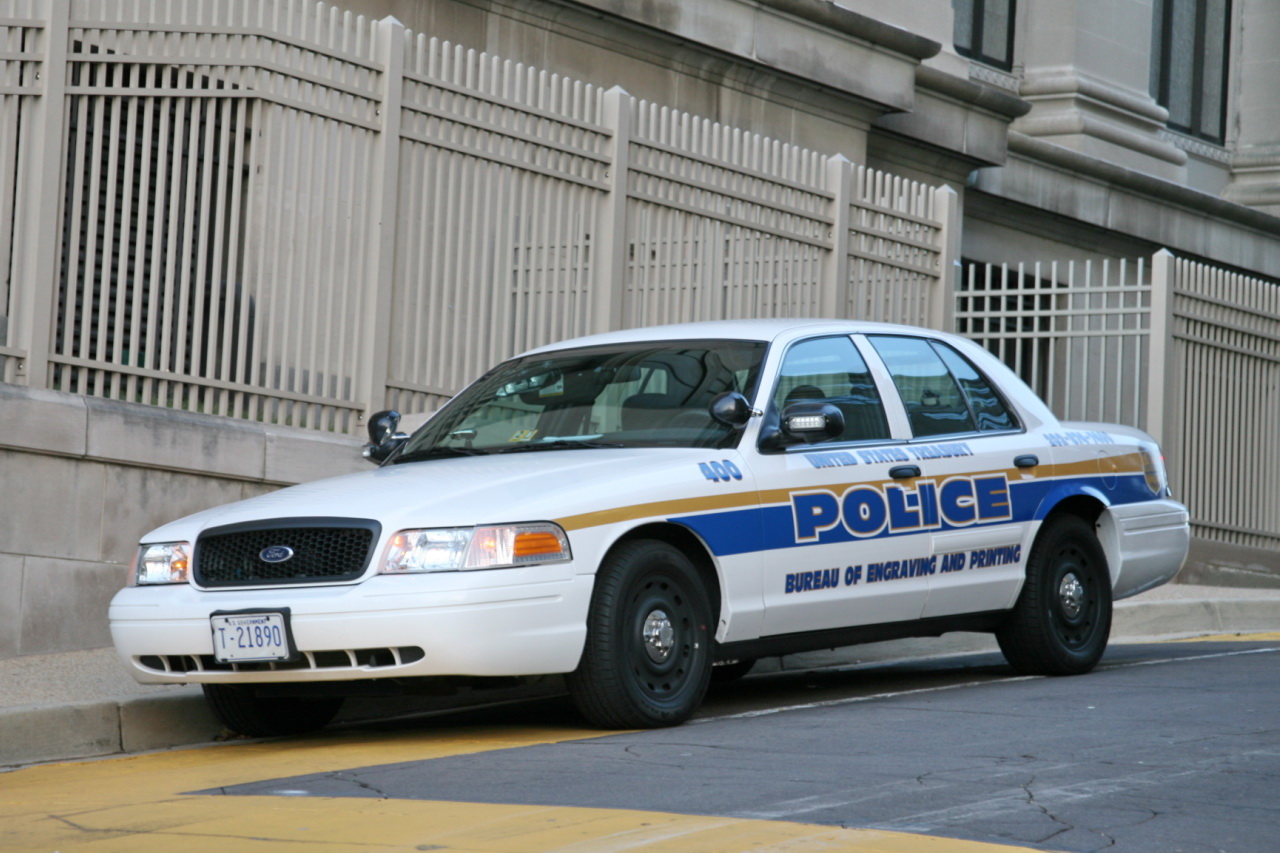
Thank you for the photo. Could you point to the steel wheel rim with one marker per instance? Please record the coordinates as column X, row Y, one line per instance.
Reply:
column 662, row 638
column 1075, row 605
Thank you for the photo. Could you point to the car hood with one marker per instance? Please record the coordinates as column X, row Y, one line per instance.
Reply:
column 529, row 486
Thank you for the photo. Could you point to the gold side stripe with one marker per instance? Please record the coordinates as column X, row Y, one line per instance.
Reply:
column 1127, row 464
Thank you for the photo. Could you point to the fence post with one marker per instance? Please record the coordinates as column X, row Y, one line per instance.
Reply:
column 608, row 297
column 38, row 196
column 384, row 202
column 1161, row 390
column 835, row 273
column 942, row 309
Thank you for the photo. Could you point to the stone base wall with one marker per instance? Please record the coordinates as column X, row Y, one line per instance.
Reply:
column 81, row 479
column 1216, row 564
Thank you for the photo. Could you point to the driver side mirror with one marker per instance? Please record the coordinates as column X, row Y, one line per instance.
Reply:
column 731, row 409
column 383, row 438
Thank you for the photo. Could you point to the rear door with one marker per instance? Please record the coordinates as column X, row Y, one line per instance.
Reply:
column 976, row 470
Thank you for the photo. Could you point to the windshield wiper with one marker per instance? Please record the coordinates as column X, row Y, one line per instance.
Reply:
column 438, row 452
column 558, row 444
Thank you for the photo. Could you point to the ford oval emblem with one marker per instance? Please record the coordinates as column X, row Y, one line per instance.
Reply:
column 275, row 554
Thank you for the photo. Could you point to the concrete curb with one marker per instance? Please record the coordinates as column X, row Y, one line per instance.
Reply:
column 1212, row 616
column 179, row 717
column 34, row 733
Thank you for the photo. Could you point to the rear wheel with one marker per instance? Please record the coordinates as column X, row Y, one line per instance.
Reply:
column 240, row 709
column 647, row 659
column 1062, row 620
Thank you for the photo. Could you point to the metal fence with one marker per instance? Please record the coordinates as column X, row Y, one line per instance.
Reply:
column 1221, row 396
column 278, row 211
column 1077, row 333
column 1189, row 352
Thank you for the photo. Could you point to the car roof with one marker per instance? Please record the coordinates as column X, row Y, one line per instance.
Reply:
column 767, row 330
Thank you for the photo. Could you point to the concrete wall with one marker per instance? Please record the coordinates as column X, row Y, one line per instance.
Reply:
column 804, row 71
column 81, row 479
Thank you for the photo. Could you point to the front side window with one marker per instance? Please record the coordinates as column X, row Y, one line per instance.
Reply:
column 942, row 392
column 1190, row 49
column 984, row 31
column 830, row 370
column 653, row 394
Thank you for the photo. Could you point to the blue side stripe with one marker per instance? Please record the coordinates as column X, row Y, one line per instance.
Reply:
column 769, row 528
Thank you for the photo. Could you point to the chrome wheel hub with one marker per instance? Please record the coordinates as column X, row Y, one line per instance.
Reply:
column 659, row 636
column 1071, row 595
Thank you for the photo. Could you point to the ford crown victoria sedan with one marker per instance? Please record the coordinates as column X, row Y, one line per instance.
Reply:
column 641, row 509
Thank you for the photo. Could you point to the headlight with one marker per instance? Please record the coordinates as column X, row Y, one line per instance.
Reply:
column 451, row 549
column 167, row 562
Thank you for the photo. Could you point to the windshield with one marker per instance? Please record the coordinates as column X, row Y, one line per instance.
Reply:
column 652, row 394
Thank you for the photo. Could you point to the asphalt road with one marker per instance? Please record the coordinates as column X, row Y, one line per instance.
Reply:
column 1165, row 747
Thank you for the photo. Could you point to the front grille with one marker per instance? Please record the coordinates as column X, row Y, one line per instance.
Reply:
column 347, row 659
column 324, row 550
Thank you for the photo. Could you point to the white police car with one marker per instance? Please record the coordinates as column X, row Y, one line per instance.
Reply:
column 634, row 507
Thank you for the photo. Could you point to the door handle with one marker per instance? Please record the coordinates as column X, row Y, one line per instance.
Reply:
column 1030, row 460
column 904, row 472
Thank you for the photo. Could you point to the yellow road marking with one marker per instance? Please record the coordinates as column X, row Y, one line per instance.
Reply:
column 135, row 804
column 1266, row 637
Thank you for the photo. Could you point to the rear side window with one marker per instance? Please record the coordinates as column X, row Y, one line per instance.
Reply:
column 830, row 370
column 942, row 392
column 988, row 410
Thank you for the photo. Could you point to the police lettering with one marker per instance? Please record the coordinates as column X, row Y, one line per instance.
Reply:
column 807, row 581
column 720, row 471
column 822, row 579
column 1076, row 438
column 887, row 454
column 835, row 459
column 897, row 569
column 941, row 451
column 1008, row 555
column 866, row 510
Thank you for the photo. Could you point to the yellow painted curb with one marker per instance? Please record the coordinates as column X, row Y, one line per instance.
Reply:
column 136, row 804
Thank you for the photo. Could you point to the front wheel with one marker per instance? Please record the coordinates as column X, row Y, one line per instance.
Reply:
column 1062, row 620
column 241, row 710
column 647, row 659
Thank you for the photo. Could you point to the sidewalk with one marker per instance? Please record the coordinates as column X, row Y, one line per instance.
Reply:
column 84, row 703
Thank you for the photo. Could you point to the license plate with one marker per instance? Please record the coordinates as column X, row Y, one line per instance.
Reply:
column 251, row 636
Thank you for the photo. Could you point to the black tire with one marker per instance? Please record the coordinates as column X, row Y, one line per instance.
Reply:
column 1062, row 620
column 647, row 659
column 729, row 671
column 241, row 710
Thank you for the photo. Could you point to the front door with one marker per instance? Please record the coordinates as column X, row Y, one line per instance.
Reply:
column 843, row 539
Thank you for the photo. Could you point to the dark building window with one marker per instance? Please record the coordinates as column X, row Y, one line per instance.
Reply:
column 984, row 31
column 1190, row 43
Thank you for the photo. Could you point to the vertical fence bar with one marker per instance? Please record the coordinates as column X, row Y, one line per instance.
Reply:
column 834, row 284
column 1161, row 413
column 372, row 373
column 610, row 244
column 942, row 307
column 39, row 195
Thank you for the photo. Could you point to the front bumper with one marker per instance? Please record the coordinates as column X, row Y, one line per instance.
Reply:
column 492, row 623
